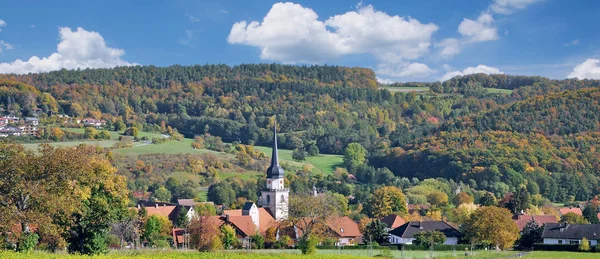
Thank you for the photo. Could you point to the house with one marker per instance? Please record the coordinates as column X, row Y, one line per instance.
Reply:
column 170, row 211
column 522, row 220
column 565, row 233
column 563, row 211
column 93, row 122
column 345, row 230
column 186, row 202
column 262, row 218
column 32, row 121
column 405, row 233
column 392, row 221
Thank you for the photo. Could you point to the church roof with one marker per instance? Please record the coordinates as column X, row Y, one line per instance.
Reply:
column 248, row 205
column 275, row 170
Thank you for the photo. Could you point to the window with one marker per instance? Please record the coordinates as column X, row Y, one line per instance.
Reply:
column 268, row 199
column 574, row 242
column 560, row 242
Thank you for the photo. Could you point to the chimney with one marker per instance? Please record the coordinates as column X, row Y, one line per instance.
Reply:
column 420, row 227
column 138, row 206
column 226, row 217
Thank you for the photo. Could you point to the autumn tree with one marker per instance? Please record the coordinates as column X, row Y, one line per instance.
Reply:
column 385, row 201
column 491, row 225
column 462, row 197
column 488, row 199
column 573, row 218
column 131, row 131
column 437, row 198
column 310, row 215
column 228, row 236
column 205, row 233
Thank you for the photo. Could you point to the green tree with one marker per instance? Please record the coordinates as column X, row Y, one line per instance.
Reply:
column 354, row 154
column 120, row 125
column 90, row 133
column 520, row 200
column 313, row 150
column 590, row 213
column 375, row 232
column 131, row 131
column 258, row 240
column 162, row 194
column 104, row 134
column 584, row 245
column 429, row 239
column 437, row 198
column 573, row 218
column 299, row 154
column 228, row 236
column 531, row 234
column 491, row 225
column 221, row 193
column 488, row 199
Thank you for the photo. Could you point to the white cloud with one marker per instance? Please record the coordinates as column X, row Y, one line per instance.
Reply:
column 571, row 43
column 291, row 33
column 589, row 69
column 385, row 81
column 4, row 45
column 224, row 11
column 77, row 49
column 472, row 70
column 509, row 6
column 480, row 30
column 2, row 24
column 187, row 40
column 405, row 70
column 193, row 19
column 448, row 48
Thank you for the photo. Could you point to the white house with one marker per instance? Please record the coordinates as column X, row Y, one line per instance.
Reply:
column 405, row 234
column 570, row 234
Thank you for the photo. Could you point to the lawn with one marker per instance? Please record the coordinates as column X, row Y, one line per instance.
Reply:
column 499, row 91
column 325, row 163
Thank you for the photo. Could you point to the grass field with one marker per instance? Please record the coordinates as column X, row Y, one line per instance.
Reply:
column 405, row 89
column 324, row 163
column 292, row 254
column 499, row 91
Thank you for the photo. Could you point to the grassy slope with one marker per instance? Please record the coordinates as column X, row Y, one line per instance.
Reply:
column 422, row 89
column 325, row 163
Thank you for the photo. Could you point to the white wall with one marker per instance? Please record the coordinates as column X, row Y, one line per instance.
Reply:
column 554, row 241
column 408, row 241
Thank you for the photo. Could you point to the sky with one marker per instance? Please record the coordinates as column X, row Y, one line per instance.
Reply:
column 401, row 40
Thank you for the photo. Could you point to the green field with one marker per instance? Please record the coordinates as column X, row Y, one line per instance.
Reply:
column 324, row 163
column 499, row 91
column 321, row 254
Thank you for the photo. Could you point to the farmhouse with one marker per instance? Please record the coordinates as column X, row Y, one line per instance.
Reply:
column 405, row 233
column 565, row 233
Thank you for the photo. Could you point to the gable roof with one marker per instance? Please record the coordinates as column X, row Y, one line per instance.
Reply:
column 169, row 212
column 186, row 202
column 564, row 211
column 571, row 231
column 265, row 219
column 248, row 205
column 243, row 223
column 409, row 229
column 344, row 227
column 522, row 220
column 393, row 221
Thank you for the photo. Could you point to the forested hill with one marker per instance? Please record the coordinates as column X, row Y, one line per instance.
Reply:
column 562, row 113
column 544, row 134
column 163, row 77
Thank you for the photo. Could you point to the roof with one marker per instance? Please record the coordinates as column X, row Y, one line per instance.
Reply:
column 178, row 235
column 265, row 219
column 169, row 212
column 186, row 202
column 564, row 211
column 243, row 223
column 393, row 221
column 571, row 231
column 522, row 220
column 248, row 205
column 409, row 229
column 344, row 227
column 275, row 170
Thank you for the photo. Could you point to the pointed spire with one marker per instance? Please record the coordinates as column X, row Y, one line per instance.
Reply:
column 275, row 170
column 274, row 155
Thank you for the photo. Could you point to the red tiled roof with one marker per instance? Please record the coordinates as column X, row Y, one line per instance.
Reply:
column 265, row 219
column 564, row 211
column 165, row 211
column 393, row 221
column 243, row 223
column 344, row 227
column 540, row 219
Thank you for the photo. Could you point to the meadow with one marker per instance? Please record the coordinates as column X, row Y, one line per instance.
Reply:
column 425, row 88
column 293, row 254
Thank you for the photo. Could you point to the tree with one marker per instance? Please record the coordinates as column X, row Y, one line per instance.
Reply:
column 590, row 213
column 131, row 131
column 228, row 236
column 90, row 133
column 573, row 218
column 299, row 154
column 462, row 197
column 221, row 193
column 57, row 134
column 584, row 245
column 385, row 201
column 488, row 199
column 40, row 188
column 491, row 225
column 354, row 154
column 520, row 200
column 204, row 232
column 120, row 125
column 162, row 194
column 531, row 234
column 313, row 150
column 437, row 198
column 258, row 240
column 375, row 232
column 310, row 214
column 429, row 238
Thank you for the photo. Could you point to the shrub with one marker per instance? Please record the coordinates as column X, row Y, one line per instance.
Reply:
column 585, row 245
column 27, row 242
column 308, row 245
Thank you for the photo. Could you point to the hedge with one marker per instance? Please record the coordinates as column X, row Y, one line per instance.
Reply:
column 399, row 247
column 548, row 247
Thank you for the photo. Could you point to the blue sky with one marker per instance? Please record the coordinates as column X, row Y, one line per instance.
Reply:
column 400, row 40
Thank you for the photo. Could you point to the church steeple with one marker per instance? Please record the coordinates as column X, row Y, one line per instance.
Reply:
column 275, row 170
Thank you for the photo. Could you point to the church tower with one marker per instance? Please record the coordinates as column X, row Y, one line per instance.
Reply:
column 275, row 196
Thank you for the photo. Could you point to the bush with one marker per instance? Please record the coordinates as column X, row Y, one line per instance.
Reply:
column 27, row 242
column 547, row 247
column 308, row 245
column 585, row 245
